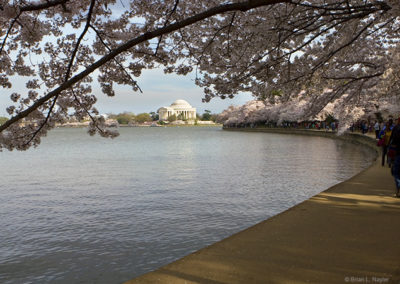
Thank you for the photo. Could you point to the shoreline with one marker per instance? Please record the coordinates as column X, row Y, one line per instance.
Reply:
column 139, row 125
column 348, row 233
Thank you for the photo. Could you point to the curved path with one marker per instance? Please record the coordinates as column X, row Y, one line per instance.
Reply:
column 349, row 233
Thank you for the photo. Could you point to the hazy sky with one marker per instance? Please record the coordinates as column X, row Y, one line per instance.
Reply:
column 158, row 88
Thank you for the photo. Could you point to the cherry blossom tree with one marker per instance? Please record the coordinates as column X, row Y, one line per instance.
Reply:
column 297, row 110
column 274, row 49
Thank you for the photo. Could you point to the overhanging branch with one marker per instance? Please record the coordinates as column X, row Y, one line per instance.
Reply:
column 42, row 6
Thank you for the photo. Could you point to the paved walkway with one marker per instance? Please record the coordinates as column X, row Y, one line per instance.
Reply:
column 349, row 233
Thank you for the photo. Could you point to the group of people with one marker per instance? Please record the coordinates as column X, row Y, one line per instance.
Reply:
column 389, row 139
column 315, row 125
column 365, row 126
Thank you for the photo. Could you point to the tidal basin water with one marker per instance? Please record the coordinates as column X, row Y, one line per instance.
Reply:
column 83, row 209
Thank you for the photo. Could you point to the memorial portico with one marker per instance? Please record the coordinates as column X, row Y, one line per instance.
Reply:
column 179, row 108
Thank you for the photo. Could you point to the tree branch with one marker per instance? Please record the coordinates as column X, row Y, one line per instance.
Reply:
column 166, row 23
column 8, row 32
column 332, row 53
column 88, row 19
column 42, row 6
column 87, row 111
column 229, row 31
column 116, row 61
column 44, row 122
column 353, row 78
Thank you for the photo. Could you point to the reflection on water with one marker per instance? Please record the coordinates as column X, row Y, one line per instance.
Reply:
column 82, row 209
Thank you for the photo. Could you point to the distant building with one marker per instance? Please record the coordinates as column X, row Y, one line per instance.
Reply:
column 180, row 108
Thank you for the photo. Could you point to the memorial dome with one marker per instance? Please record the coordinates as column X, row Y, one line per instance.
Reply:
column 180, row 108
column 180, row 104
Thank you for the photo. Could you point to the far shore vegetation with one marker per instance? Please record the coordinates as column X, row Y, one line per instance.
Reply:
column 145, row 119
column 3, row 119
column 140, row 119
column 126, row 118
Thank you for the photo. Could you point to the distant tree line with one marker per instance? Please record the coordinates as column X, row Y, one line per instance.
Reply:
column 131, row 118
column 3, row 119
column 208, row 116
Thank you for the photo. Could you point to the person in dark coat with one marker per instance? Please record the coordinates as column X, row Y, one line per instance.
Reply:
column 395, row 144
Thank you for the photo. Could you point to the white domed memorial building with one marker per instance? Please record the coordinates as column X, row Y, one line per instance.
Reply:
column 180, row 108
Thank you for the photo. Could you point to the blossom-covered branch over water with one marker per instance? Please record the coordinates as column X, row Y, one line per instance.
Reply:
column 275, row 49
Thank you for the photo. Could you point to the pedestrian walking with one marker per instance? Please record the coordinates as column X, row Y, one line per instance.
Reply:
column 385, row 141
column 377, row 128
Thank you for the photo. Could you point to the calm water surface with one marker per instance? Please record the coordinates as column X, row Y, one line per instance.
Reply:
column 83, row 209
